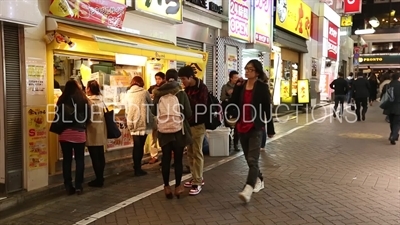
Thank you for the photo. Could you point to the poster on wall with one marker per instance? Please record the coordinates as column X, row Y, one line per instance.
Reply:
column 37, row 137
column 35, row 79
column 231, row 58
column 107, row 13
column 126, row 138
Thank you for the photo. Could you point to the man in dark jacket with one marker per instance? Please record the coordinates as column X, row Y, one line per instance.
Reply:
column 340, row 85
column 198, row 96
column 393, row 111
column 360, row 88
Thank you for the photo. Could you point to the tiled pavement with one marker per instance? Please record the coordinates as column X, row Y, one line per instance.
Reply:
column 323, row 173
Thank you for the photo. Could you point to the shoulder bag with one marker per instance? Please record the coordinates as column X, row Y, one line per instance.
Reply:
column 111, row 126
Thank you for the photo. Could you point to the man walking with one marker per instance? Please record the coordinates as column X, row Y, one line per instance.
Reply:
column 198, row 96
column 360, row 90
column 340, row 85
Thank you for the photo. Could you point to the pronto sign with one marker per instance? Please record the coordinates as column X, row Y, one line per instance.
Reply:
column 352, row 6
column 294, row 16
column 333, row 41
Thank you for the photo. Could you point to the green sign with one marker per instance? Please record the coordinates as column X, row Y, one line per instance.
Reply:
column 379, row 59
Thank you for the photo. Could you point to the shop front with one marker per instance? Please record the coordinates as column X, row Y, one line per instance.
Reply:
column 13, row 19
column 100, row 49
column 200, row 27
column 328, row 52
column 293, row 29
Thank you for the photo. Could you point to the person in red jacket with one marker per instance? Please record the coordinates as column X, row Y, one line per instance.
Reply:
column 253, row 99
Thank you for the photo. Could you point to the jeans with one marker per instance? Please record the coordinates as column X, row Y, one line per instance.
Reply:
column 166, row 162
column 195, row 153
column 251, row 143
column 98, row 161
column 77, row 150
column 394, row 126
column 138, row 151
column 361, row 102
column 339, row 99
column 348, row 97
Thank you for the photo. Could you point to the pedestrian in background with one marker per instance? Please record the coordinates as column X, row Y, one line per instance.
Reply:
column 393, row 111
column 374, row 84
column 341, row 87
column 361, row 90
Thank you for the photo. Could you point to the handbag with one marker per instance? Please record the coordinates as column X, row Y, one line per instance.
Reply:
column 387, row 98
column 112, row 128
column 64, row 113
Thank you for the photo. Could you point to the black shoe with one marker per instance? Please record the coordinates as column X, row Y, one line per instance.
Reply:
column 140, row 173
column 363, row 117
column 95, row 183
column 392, row 142
column 71, row 191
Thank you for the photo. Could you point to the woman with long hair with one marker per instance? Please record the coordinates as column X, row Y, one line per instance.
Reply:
column 173, row 142
column 253, row 99
column 139, row 119
column 96, row 132
column 74, row 111
column 374, row 85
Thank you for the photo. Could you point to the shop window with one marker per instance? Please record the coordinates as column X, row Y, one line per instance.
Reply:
column 113, row 79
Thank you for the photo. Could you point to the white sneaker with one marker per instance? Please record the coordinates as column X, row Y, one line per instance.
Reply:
column 245, row 195
column 259, row 185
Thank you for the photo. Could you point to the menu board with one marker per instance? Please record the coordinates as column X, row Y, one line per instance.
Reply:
column 303, row 91
column 37, row 137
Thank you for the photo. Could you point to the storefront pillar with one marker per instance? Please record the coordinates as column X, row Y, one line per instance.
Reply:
column 16, row 136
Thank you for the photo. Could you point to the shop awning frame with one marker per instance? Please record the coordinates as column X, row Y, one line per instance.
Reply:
column 124, row 44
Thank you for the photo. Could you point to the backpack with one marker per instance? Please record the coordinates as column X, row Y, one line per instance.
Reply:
column 213, row 113
column 169, row 118
column 387, row 98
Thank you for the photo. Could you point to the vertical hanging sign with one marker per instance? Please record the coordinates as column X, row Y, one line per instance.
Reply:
column 352, row 6
column 262, row 21
column 239, row 19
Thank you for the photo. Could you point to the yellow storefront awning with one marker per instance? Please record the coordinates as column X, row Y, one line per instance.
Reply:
column 96, row 41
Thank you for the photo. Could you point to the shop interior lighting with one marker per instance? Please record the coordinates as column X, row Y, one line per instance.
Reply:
column 130, row 60
column 374, row 22
column 146, row 47
column 343, row 33
column 365, row 31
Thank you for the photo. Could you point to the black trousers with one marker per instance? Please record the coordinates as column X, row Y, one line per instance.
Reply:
column 251, row 144
column 339, row 99
column 138, row 151
column 98, row 161
column 264, row 138
column 361, row 102
column 77, row 150
column 394, row 126
column 166, row 162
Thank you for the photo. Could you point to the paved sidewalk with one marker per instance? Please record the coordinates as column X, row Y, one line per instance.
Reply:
column 322, row 173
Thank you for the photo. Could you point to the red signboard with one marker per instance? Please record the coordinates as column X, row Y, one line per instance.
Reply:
column 103, row 12
column 333, row 39
column 352, row 6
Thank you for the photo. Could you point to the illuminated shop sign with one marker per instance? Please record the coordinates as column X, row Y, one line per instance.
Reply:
column 379, row 59
column 207, row 5
column 168, row 9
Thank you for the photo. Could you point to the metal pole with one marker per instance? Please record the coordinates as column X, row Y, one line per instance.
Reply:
column 359, row 51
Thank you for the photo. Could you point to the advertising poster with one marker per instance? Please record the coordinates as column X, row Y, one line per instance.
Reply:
column 35, row 81
column 303, row 91
column 107, row 13
column 231, row 58
column 294, row 16
column 37, row 137
column 126, row 138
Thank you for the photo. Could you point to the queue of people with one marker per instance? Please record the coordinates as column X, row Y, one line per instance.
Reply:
column 86, row 126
